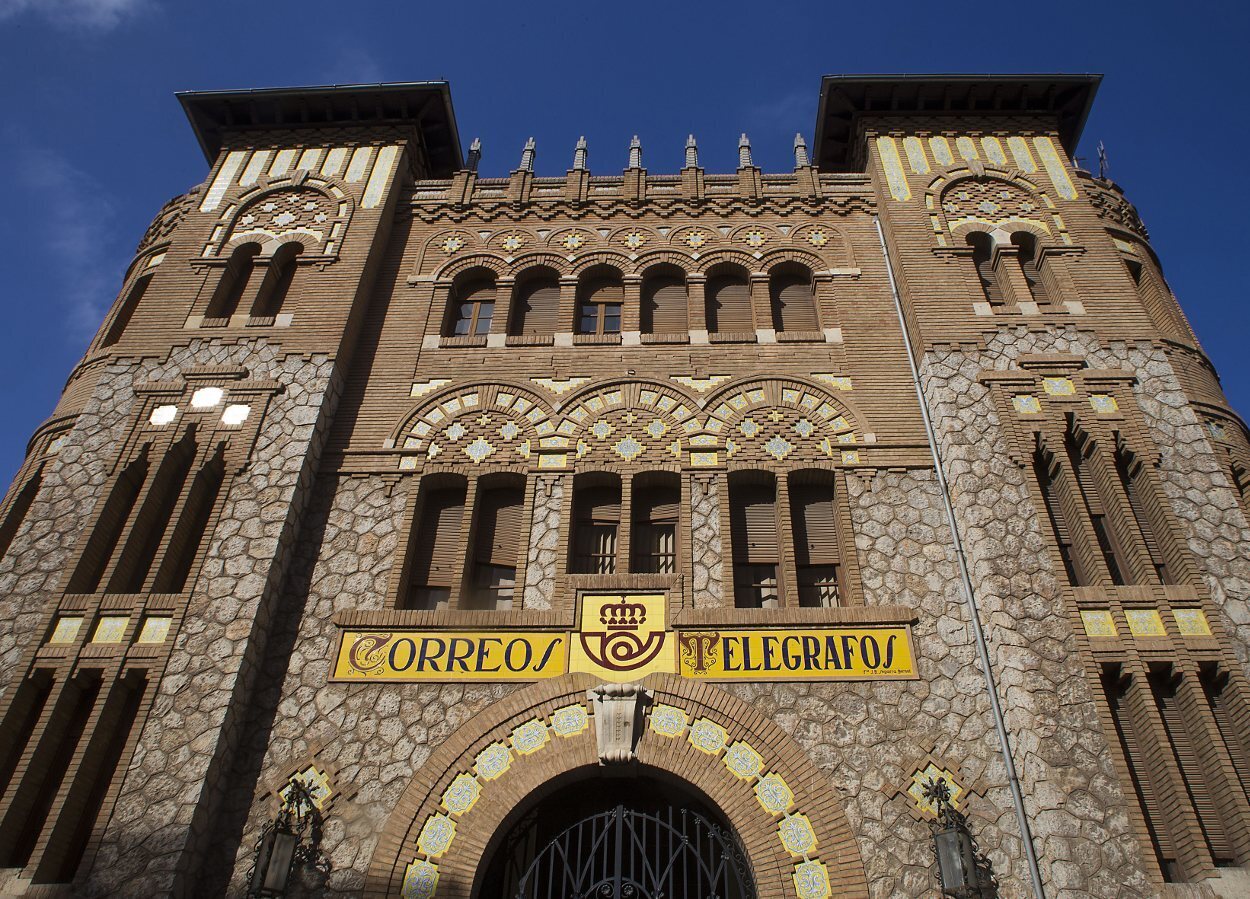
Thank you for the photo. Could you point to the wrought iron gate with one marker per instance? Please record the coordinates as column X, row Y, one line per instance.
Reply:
column 627, row 854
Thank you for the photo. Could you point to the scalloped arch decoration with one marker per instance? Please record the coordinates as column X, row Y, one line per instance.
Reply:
column 623, row 421
column 766, row 421
column 313, row 212
column 475, row 424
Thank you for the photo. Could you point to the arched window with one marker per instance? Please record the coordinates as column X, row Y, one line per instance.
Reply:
column 277, row 284
column 664, row 301
column 596, row 518
column 600, row 296
column 435, row 550
column 655, row 508
column 497, row 541
column 234, row 281
column 187, row 540
column 983, row 259
column 472, row 306
column 817, row 547
column 792, row 298
column 728, row 305
column 1030, row 263
column 152, row 520
column 126, row 311
column 753, row 532
column 536, row 304
column 108, row 528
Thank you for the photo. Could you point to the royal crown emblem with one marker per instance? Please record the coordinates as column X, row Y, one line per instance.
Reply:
column 620, row 633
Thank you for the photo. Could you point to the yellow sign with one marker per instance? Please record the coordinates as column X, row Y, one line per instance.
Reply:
column 447, row 655
column 624, row 638
column 797, row 654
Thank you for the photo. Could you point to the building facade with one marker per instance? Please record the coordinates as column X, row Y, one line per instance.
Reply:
column 491, row 522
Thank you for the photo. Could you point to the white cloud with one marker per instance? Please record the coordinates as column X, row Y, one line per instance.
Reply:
column 89, row 14
column 72, row 231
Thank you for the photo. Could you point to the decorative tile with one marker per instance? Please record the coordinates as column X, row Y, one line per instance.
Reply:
column 110, row 629
column 553, row 460
column 695, row 239
column 634, row 239
column 628, row 448
column 479, row 449
column 774, row 794
column 530, row 737
column 797, row 835
column 1145, row 623
column 667, row 720
column 1058, row 386
column 749, row 428
column 817, row 237
column 155, row 629
column 915, row 155
column 235, row 414
column 941, row 149
column 743, row 761
column 492, row 761
column 967, row 149
column 811, row 880
column 558, row 386
column 701, row 384
column 707, row 736
column 569, row 720
column 1100, row 402
column 1098, row 623
column 1026, row 404
column 704, row 460
column 893, row 165
column 922, row 778
column 461, row 794
column 572, row 240
column 755, row 238
column 509, row 430
column 163, row 415
column 838, row 382
column 1192, row 622
column 455, row 432
column 601, row 430
column 315, row 782
column 656, row 429
column 436, row 835
column 420, row 880
column 66, row 630
column 778, row 447
column 513, row 242
column 206, row 397
column 850, row 457
column 1054, row 167
column 1020, row 153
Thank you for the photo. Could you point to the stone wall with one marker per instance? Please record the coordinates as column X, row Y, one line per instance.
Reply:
column 169, row 797
column 1071, row 791
column 707, row 552
column 544, row 545
column 372, row 737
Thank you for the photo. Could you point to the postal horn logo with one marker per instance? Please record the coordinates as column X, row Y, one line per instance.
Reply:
column 625, row 642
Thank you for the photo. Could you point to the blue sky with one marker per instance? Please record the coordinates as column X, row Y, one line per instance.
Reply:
column 93, row 142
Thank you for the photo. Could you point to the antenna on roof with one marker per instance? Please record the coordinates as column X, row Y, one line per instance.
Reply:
column 1103, row 165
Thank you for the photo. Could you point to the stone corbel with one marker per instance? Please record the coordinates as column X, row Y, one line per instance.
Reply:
column 619, row 712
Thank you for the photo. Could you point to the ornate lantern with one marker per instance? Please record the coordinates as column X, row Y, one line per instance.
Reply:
column 281, row 843
column 953, row 845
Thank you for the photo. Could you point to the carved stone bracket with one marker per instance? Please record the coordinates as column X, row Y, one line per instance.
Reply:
column 619, row 713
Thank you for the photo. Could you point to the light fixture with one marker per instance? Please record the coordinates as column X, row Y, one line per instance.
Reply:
column 952, row 844
column 282, row 843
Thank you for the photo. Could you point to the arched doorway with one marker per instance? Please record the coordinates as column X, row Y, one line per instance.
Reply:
column 639, row 834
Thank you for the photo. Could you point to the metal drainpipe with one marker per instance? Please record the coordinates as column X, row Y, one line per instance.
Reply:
column 1017, row 797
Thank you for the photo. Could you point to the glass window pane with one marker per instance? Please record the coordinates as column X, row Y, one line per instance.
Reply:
column 590, row 316
column 464, row 318
column 611, row 318
column 485, row 313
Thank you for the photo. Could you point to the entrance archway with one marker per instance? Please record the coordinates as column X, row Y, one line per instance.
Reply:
column 641, row 835
column 732, row 757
